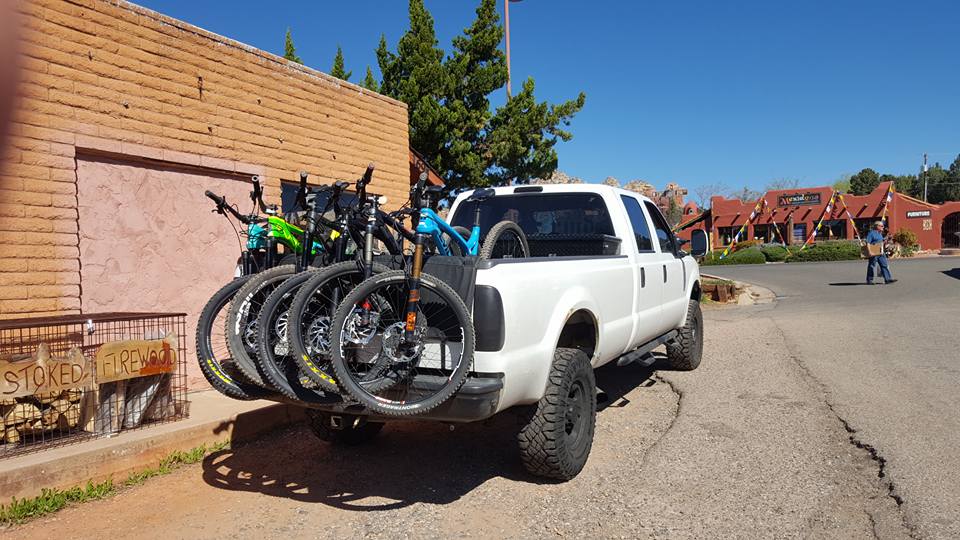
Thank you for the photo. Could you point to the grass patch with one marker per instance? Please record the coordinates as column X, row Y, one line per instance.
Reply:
column 52, row 500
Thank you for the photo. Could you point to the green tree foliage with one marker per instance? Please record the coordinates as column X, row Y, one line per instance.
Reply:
column 370, row 82
column 451, row 122
column 338, row 70
column 864, row 182
column 289, row 51
column 941, row 184
column 842, row 184
column 905, row 183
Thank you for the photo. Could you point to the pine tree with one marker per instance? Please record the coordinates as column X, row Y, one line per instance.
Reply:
column 864, row 182
column 338, row 70
column 289, row 51
column 451, row 123
column 370, row 82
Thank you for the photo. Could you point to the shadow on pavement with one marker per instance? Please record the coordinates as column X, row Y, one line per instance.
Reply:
column 954, row 273
column 849, row 284
column 410, row 462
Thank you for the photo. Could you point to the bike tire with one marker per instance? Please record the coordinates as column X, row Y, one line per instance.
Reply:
column 274, row 354
column 241, row 321
column 505, row 240
column 307, row 306
column 394, row 401
column 220, row 371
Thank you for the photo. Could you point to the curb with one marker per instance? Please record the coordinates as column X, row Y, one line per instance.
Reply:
column 214, row 418
column 752, row 294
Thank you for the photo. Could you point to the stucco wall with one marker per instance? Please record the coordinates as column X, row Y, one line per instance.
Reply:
column 115, row 77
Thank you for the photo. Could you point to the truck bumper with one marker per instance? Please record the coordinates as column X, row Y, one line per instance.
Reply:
column 477, row 399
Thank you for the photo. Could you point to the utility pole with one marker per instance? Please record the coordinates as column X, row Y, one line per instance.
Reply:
column 924, row 177
column 506, row 19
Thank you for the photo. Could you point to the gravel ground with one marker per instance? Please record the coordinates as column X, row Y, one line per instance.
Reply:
column 744, row 447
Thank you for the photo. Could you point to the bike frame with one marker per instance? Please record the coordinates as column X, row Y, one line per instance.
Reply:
column 433, row 225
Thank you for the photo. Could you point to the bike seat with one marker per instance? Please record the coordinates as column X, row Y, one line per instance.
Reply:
column 341, row 185
column 481, row 194
column 433, row 190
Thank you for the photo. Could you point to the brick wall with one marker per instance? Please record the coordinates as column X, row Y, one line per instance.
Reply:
column 117, row 78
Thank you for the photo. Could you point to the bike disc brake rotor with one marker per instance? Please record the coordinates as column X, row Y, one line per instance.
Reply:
column 397, row 350
column 361, row 326
column 282, row 346
column 318, row 336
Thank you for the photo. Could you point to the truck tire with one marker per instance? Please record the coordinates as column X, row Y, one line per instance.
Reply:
column 355, row 429
column 684, row 352
column 556, row 442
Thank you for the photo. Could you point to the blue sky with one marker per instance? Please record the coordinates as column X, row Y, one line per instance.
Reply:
column 694, row 92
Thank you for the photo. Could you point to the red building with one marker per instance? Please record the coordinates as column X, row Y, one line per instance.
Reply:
column 794, row 214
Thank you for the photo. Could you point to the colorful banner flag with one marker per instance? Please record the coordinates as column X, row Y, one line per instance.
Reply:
column 826, row 212
column 849, row 217
column 886, row 204
column 753, row 215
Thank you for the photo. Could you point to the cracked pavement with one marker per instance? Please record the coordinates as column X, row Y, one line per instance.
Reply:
column 887, row 360
column 790, row 428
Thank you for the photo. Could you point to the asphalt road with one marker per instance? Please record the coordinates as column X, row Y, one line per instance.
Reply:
column 784, row 431
column 887, row 358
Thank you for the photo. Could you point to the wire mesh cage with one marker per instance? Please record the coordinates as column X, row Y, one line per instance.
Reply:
column 71, row 378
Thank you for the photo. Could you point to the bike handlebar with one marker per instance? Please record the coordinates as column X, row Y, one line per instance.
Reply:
column 257, row 194
column 222, row 206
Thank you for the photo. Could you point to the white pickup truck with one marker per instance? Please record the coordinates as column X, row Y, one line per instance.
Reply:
column 606, row 282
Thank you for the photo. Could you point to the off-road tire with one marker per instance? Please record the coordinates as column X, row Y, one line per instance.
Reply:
column 556, row 442
column 685, row 351
column 227, row 381
column 498, row 230
column 355, row 430
column 236, row 327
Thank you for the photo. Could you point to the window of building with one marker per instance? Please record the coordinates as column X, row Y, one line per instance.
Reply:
column 799, row 232
column 864, row 225
column 641, row 230
column 726, row 235
column 663, row 230
column 833, row 229
column 763, row 233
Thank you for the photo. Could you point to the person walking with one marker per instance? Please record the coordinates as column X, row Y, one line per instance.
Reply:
column 875, row 238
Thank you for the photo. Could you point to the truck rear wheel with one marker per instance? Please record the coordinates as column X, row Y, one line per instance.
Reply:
column 684, row 352
column 556, row 442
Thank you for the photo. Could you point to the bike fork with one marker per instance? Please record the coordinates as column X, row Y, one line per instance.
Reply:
column 413, row 286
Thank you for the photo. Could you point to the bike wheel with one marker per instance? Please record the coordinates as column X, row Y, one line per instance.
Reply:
column 242, row 320
column 213, row 354
column 310, row 314
column 505, row 240
column 274, row 355
column 378, row 368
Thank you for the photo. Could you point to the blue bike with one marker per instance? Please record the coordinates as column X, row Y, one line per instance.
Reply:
column 505, row 240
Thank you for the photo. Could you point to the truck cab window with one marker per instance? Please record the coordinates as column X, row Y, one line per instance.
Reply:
column 663, row 230
column 641, row 230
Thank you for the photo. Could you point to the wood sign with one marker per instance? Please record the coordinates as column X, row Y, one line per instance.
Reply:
column 39, row 373
column 120, row 360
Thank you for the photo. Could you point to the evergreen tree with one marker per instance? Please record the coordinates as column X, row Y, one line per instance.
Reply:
column 864, row 182
column 338, row 70
column 451, row 123
column 289, row 51
column 951, row 191
column 370, row 82
column 939, row 188
column 674, row 213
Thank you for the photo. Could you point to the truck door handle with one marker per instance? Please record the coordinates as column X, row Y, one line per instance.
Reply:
column 643, row 277
column 664, row 273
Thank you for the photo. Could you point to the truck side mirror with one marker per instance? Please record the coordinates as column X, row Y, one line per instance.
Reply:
column 699, row 243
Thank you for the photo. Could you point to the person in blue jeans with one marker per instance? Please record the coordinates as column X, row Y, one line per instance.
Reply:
column 875, row 236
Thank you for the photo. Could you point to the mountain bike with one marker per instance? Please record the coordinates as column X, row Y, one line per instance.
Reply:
column 402, row 342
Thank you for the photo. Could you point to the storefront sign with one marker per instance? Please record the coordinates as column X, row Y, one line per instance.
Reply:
column 918, row 214
column 120, row 360
column 40, row 373
column 799, row 199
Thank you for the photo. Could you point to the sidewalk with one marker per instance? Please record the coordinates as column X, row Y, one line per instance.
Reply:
column 213, row 418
